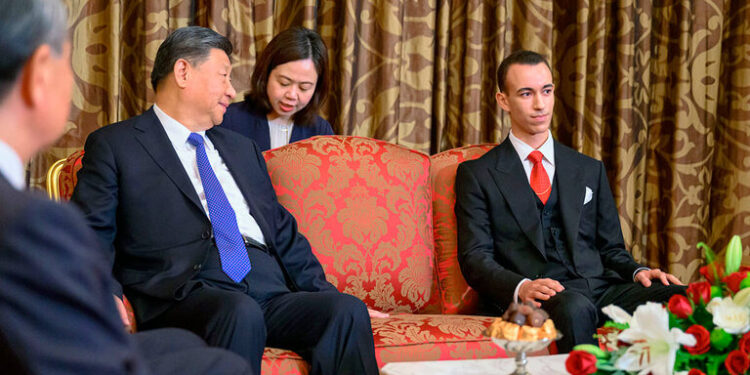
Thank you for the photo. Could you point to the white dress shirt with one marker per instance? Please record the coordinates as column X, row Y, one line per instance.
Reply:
column 178, row 135
column 11, row 167
column 280, row 131
column 547, row 149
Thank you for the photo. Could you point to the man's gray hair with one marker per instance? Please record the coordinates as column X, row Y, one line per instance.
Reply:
column 24, row 26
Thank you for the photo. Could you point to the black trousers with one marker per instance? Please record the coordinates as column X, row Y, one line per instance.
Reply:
column 172, row 351
column 330, row 330
column 577, row 313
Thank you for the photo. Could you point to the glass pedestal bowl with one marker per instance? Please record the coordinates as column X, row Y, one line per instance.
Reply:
column 521, row 348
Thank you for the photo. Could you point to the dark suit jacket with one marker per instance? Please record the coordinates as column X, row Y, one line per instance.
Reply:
column 136, row 195
column 245, row 120
column 500, row 232
column 57, row 314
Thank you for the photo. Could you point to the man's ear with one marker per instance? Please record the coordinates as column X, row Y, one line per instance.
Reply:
column 502, row 101
column 36, row 76
column 182, row 70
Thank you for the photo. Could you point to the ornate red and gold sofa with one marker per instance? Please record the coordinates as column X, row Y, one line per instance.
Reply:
column 380, row 219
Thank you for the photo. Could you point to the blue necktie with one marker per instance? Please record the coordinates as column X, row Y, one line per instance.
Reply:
column 232, row 250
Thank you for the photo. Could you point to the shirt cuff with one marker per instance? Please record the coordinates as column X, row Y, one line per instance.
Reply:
column 518, row 287
column 639, row 269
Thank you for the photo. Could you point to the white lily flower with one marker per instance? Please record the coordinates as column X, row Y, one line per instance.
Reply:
column 653, row 344
column 730, row 316
column 617, row 314
column 742, row 298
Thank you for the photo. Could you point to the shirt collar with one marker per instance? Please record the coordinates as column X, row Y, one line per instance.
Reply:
column 547, row 148
column 11, row 167
column 178, row 133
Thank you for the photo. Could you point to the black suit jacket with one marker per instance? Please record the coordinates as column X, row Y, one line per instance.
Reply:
column 57, row 314
column 247, row 121
column 500, row 231
column 137, row 196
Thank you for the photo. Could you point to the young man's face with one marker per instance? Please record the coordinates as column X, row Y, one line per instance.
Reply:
column 529, row 99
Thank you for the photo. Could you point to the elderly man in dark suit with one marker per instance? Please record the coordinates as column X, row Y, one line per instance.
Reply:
column 57, row 315
column 537, row 221
column 198, row 239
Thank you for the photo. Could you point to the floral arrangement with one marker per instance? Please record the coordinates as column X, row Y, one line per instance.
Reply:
column 706, row 332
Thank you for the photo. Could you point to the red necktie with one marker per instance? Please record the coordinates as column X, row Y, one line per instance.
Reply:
column 539, row 179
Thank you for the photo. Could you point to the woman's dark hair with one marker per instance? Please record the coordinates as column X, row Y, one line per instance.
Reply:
column 296, row 43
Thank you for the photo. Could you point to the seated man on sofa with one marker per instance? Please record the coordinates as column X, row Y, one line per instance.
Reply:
column 198, row 239
column 57, row 315
column 537, row 221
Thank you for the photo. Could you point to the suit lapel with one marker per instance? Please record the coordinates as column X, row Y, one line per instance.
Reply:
column 571, row 189
column 510, row 179
column 264, row 135
column 153, row 138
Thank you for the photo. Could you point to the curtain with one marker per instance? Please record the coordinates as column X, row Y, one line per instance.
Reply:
column 658, row 90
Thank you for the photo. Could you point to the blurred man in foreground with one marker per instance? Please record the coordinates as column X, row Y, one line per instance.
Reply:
column 57, row 315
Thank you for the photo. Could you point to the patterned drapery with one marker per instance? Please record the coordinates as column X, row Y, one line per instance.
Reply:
column 659, row 90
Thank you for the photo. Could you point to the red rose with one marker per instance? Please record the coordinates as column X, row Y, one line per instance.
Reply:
column 699, row 292
column 695, row 371
column 737, row 362
column 733, row 281
column 580, row 362
column 702, row 339
column 680, row 306
column 744, row 344
column 708, row 271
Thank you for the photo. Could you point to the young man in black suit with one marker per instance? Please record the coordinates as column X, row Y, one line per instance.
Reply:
column 537, row 221
column 195, row 232
column 57, row 315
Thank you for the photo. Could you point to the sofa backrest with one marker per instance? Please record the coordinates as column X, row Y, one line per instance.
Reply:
column 365, row 206
column 456, row 296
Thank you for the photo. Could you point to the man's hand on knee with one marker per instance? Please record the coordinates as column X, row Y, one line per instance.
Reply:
column 539, row 289
column 644, row 277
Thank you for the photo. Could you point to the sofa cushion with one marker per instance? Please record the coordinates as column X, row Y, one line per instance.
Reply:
column 424, row 337
column 457, row 297
column 283, row 362
column 365, row 207
column 408, row 337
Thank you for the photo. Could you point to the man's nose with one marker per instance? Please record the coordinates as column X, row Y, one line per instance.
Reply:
column 538, row 102
column 231, row 92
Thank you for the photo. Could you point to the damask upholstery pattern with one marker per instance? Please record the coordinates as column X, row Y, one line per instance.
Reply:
column 364, row 205
column 457, row 296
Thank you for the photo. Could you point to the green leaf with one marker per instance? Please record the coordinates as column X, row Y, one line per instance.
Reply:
column 592, row 349
column 701, row 316
column 605, row 366
column 620, row 326
column 713, row 363
column 733, row 255
column 710, row 255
